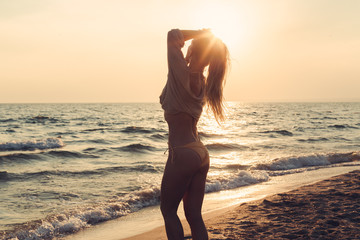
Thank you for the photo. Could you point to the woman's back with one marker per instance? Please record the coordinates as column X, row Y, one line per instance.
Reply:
column 182, row 129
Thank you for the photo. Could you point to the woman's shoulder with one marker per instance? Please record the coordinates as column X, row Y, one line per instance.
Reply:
column 175, row 36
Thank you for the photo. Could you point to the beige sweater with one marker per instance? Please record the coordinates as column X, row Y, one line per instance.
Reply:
column 177, row 96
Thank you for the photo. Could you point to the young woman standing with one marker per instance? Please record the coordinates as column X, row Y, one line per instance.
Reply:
column 185, row 94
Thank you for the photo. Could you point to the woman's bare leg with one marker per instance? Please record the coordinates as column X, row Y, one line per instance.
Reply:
column 193, row 200
column 177, row 177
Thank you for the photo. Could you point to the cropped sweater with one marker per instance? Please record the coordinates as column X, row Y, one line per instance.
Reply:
column 177, row 96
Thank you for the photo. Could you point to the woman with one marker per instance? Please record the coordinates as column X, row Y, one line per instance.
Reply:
column 183, row 98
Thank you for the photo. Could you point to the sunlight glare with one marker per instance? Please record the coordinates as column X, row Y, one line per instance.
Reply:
column 224, row 22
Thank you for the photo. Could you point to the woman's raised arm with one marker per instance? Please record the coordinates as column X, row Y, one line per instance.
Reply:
column 190, row 34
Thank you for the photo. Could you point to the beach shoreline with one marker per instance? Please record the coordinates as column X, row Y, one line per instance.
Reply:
column 148, row 223
column 323, row 210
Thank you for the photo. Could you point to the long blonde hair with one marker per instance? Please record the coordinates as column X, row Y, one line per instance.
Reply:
column 212, row 52
column 215, row 82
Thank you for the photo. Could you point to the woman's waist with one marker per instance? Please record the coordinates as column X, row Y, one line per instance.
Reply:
column 180, row 138
column 182, row 128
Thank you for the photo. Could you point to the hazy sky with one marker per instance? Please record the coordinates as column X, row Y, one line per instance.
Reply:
column 115, row 51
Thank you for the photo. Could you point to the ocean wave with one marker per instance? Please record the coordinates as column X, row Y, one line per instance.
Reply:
column 320, row 139
column 332, row 118
column 323, row 118
column 137, row 148
column 287, row 163
column 41, row 119
column 131, row 168
column 342, row 126
column 4, row 175
column 311, row 168
column 73, row 220
column 97, row 129
column 342, row 139
column 20, row 157
column 69, row 154
column 96, row 150
column 31, row 145
column 139, row 168
column 225, row 146
column 100, row 141
column 281, row 132
column 158, row 136
column 134, row 129
column 146, row 168
column 231, row 181
column 7, row 120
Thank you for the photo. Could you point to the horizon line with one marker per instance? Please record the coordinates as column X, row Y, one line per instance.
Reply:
column 229, row 101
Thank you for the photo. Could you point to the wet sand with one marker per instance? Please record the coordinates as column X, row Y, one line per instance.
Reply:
column 328, row 209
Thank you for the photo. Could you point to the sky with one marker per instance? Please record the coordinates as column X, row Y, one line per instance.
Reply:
column 115, row 51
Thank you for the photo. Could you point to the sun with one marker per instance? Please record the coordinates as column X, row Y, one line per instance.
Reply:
column 225, row 21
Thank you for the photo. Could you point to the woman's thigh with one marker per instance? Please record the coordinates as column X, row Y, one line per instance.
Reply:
column 194, row 195
column 177, row 177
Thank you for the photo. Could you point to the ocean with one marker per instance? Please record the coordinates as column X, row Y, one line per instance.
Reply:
column 65, row 167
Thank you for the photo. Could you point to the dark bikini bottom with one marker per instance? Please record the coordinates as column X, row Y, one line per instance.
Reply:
column 197, row 147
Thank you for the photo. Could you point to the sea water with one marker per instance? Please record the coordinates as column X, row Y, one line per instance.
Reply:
column 64, row 167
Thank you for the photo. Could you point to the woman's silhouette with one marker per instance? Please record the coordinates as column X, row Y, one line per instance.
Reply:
column 186, row 92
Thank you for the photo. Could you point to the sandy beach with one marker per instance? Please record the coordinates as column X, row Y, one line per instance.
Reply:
column 328, row 209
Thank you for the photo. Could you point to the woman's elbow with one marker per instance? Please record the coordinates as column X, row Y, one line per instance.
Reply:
column 175, row 37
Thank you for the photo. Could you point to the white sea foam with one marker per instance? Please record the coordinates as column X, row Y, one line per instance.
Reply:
column 51, row 229
column 74, row 220
column 34, row 144
column 297, row 162
column 231, row 181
